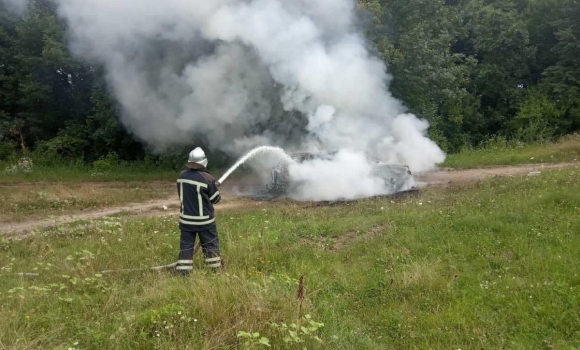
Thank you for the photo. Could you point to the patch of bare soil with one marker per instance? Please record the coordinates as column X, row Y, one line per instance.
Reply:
column 134, row 208
column 158, row 207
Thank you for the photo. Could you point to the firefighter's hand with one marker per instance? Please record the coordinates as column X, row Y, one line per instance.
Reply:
column 217, row 183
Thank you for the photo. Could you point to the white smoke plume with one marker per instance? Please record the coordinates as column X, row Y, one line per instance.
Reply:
column 347, row 176
column 16, row 6
column 234, row 70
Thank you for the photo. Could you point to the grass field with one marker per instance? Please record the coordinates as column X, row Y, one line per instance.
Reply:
column 79, row 172
column 483, row 265
column 500, row 152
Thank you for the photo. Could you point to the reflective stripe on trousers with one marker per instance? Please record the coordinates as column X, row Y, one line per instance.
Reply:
column 214, row 262
column 184, row 265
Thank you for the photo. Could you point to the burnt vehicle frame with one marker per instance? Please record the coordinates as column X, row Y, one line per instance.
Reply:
column 397, row 178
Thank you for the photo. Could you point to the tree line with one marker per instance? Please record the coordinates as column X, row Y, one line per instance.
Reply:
column 482, row 68
column 474, row 68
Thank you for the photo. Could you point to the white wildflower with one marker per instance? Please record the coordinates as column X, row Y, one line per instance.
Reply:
column 24, row 165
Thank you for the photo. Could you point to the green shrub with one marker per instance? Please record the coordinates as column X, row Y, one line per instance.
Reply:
column 62, row 146
column 107, row 162
column 7, row 148
column 537, row 119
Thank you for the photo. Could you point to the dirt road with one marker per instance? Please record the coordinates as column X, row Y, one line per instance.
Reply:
column 159, row 207
column 169, row 206
column 446, row 176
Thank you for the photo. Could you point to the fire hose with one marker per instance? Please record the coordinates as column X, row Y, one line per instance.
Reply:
column 106, row 272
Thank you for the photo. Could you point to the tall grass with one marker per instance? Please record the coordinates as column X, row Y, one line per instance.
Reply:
column 491, row 265
column 495, row 152
column 80, row 172
column 77, row 170
column 109, row 168
column 499, row 151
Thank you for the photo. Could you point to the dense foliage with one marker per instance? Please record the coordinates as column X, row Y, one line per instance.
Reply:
column 473, row 68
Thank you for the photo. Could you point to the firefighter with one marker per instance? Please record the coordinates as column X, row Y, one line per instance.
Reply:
column 198, row 192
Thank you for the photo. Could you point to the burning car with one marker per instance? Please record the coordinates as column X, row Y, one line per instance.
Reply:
column 397, row 178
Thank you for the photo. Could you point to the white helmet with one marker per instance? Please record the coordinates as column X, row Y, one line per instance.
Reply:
column 198, row 156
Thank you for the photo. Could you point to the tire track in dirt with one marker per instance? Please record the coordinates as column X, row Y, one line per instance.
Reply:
column 149, row 208
column 156, row 207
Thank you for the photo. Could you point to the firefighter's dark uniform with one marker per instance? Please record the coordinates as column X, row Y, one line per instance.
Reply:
column 198, row 193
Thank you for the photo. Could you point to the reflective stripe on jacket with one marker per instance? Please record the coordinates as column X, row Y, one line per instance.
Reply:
column 198, row 193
